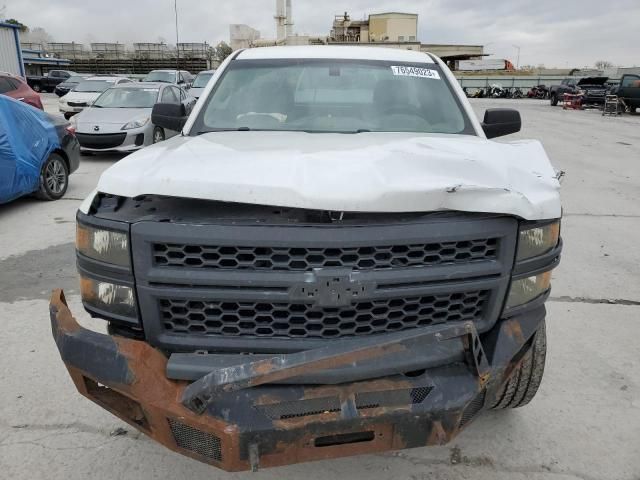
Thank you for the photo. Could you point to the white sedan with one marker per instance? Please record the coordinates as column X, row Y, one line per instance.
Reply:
column 85, row 93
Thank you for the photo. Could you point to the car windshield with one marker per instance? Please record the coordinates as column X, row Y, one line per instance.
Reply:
column 165, row 77
column 127, row 98
column 342, row 96
column 94, row 86
column 74, row 79
column 202, row 79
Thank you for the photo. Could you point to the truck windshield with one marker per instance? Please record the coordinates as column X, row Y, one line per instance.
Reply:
column 93, row 86
column 344, row 96
column 127, row 98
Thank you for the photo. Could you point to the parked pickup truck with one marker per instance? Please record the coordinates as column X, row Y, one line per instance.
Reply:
column 49, row 82
column 629, row 91
column 592, row 89
column 332, row 259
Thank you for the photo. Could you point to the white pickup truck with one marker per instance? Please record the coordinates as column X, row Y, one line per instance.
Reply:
column 333, row 258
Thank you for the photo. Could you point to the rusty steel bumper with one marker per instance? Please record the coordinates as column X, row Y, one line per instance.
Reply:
column 241, row 418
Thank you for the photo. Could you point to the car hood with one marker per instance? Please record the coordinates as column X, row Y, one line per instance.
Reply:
column 81, row 96
column 367, row 172
column 593, row 81
column 103, row 116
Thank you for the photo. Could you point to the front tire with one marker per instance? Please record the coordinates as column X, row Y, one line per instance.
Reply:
column 158, row 135
column 553, row 99
column 68, row 116
column 54, row 178
column 37, row 88
column 523, row 385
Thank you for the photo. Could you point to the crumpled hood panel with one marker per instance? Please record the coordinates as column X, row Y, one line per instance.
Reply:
column 367, row 172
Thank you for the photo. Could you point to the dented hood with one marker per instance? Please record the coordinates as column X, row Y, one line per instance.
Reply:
column 366, row 172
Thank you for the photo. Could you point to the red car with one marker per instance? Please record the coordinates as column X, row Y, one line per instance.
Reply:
column 16, row 87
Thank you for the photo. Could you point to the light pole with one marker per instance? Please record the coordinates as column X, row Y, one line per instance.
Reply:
column 175, row 9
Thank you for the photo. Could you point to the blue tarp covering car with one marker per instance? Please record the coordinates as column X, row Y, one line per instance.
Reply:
column 27, row 138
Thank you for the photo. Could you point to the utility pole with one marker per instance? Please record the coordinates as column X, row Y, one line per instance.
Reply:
column 175, row 8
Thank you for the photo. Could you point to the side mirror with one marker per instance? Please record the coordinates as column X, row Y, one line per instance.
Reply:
column 170, row 116
column 501, row 121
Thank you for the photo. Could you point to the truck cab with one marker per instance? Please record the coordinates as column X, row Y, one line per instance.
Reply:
column 629, row 91
column 49, row 81
column 333, row 258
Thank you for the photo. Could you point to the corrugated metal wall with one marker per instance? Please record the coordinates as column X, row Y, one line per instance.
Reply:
column 9, row 54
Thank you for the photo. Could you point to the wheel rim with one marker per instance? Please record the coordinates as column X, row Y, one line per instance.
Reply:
column 55, row 177
column 158, row 136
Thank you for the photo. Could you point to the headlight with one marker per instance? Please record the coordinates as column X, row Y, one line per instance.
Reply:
column 136, row 123
column 109, row 297
column 103, row 245
column 537, row 241
column 527, row 289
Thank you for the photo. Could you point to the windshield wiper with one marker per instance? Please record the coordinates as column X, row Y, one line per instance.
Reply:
column 231, row 129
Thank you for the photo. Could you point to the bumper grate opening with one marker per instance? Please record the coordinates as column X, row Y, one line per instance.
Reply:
column 473, row 409
column 122, row 406
column 389, row 398
column 344, row 439
column 301, row 408
column 196, row 441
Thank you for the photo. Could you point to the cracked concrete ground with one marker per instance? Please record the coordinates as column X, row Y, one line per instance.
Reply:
column 584, row 423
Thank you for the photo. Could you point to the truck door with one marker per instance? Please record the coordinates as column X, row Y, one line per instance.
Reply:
column 630, row 90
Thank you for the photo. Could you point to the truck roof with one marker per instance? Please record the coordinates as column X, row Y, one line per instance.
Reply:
column 341, row 52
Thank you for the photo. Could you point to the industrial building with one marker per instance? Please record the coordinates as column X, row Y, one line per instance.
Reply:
column 10, row 51
column 390, row 27
column 37, row 62
column 387, row 29
column 242, row 36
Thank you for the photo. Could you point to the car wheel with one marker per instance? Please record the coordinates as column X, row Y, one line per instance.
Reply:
column 553, row 98
column 36, row 88
column 54, row 178
column 158, row 135
column 67, row 116
column 525, row 380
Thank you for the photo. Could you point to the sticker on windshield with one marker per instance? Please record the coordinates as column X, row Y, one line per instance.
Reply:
column 415, row 72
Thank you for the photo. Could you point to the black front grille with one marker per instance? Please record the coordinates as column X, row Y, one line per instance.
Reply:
column 77, row 104
column 299, row 320
column 101, row 141
column 307, row 259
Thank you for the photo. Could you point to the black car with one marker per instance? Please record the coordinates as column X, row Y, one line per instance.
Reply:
column 68, row 85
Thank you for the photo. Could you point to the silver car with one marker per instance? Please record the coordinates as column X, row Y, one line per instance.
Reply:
column 200, row 83
column 120, row 119
column 182, row 78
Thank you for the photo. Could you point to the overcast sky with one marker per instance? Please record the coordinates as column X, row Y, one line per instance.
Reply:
column 552, row 32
